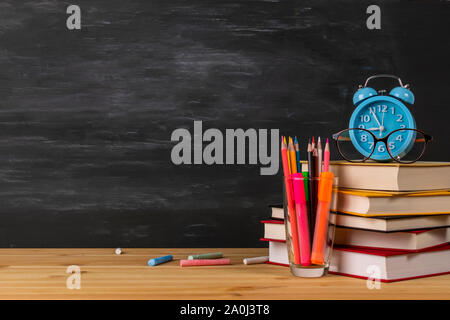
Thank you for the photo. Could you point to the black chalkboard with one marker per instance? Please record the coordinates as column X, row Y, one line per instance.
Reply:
column 86, row 115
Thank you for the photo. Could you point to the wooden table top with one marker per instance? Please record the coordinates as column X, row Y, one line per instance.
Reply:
column 41, row 274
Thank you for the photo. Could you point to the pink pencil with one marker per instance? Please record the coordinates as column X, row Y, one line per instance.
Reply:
column 326, row 157
column 204, row 262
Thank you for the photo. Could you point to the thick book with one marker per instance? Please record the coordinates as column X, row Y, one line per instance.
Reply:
column 411, row 241
column 390, row 265
column 278, row 254
column 274, row 229
column 391, row 223
column 391, row 176
column 379, row 203
column 277, row 211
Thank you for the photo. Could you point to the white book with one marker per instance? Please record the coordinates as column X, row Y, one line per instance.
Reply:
column 274, row 229
column 278, row 252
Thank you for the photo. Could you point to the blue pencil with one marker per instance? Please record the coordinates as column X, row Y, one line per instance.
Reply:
column 297, row 153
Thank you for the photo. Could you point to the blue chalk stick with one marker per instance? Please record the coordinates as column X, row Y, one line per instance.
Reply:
column 156, row 261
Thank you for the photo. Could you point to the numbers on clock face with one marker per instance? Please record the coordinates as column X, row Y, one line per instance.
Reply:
column 381, row 118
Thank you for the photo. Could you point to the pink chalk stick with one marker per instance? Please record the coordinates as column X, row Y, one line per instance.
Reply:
column 204, row 262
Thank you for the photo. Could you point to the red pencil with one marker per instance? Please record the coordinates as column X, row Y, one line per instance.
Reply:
column 290, row 203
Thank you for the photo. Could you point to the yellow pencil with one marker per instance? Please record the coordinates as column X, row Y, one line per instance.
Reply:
column 292, row 156
column 288, row 156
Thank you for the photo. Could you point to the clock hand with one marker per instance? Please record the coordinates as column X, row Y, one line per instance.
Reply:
column 375, row 116
column 373, row 129
column 382, row 124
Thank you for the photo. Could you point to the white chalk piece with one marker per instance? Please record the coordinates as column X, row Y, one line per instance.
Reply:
column 118, row 251
column 256, row 260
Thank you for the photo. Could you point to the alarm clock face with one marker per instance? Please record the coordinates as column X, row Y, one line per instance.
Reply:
column 382, row 115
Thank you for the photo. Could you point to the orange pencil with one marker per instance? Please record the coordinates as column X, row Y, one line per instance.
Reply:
column 326, row 157
column 290, row 202
column 284, row 157
column 323, row 210
column 292, row 156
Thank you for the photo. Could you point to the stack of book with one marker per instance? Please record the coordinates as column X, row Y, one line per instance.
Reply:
column 392, row 221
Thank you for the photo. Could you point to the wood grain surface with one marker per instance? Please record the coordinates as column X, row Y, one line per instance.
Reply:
column 41, row 274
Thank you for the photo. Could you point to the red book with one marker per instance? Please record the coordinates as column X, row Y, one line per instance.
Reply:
column 390, row 265
column 277, row 252
column 274, row 229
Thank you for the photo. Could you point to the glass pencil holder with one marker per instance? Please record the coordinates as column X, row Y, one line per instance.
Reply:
column 309, row 226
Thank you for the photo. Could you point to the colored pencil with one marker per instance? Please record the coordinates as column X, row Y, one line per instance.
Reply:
column 292, row 156
column 319, row 158
column 297, row 153
column 326, row 157
column 306, row 180
column 310, row 188
column 288, row 157
column 284, row 157
column 290, row 203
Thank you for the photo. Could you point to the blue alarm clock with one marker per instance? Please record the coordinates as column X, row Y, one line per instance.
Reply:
column 381, row 114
